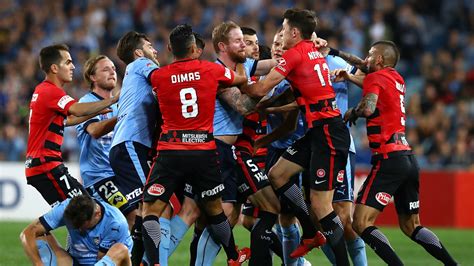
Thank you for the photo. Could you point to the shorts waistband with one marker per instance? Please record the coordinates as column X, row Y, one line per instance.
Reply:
column 325, row 121
column 381, row 156
column 33, row 162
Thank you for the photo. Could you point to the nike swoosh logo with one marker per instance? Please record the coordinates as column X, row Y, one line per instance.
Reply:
column 319, row 182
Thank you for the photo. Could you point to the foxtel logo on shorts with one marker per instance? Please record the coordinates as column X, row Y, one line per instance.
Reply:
column 156, row 190
column 340, row 176
column 383, row 198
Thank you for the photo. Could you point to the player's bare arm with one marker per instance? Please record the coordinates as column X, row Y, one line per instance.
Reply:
column 342, row 74
column 73, row 120
column 28, row 240
column 282, row 109
column 264, row 66
column 365, row 108
column 288, row 126
column 264, row 86
column 92, row 108
column 100, row 128
column 240, row 102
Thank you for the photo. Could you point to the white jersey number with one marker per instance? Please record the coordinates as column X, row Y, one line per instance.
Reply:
column 317, row 68
column 188, row 97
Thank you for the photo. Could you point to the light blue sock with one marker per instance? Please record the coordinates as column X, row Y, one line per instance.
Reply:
column 356, row 249
column 329, row 253
column 207, row 249
column 106, row 260
column 178, row 230
column 164, row 241
column 279, row 232
column 290, row 240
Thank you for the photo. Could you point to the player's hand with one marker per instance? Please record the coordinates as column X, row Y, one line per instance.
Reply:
column 339, row 75
column 240, row 69
column 350, row 116
column 105, row 111
column 318, row 42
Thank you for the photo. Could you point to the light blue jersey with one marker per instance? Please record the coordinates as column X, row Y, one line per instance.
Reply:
column 341, row 88
column 137, row 106
column 275, row 120
column 227, row 121
column 94, row 159
column 111, row 229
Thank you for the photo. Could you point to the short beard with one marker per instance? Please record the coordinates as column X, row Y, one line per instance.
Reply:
column 237, row 58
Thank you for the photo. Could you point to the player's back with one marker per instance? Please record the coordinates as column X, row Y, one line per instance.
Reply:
column 386, row 127
column 186, row 92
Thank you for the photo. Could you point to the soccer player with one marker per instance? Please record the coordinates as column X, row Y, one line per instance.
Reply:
column 186, row 92
column 324, row 148
column 95, row 137
column 50, row 110
column 98, row 234
column 252, row 49
column 130, row 152
column 395, row 171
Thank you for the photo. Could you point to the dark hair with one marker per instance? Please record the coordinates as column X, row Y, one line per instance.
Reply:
column 199, row 40
column 90, row 67
column 265, row 52
column 390, row 55
column 127, row 45
column 248, row 31
column 50, row 55
column 302, row 19
column 181, row 39
column 79, row 210
column 220, row 33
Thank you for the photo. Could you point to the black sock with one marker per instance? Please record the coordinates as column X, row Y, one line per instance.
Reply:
column 137, row 250
column 291, row 194
column 219, row 228
column 430, row 242
column 261, row 239
column 276, row 246
column 379, row 243
column 151, row 238
column 194, row 245
column 334, row 233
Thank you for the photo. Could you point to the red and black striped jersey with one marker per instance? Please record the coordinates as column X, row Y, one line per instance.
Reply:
column 308, row 73
column 386, row 126
column 186, row 92
column 48, row 109
column 253, row 128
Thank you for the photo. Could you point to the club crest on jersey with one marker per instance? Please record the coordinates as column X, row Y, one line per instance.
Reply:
column 156, row 190
column 227, row 73
column 340, row 176
column 321, row 172
column 96, row 240
column 383, row 198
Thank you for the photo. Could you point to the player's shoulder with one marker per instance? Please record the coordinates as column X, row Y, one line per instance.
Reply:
column 89, row 97
column 141, row 62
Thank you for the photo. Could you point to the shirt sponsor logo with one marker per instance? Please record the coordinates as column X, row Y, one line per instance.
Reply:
column 64, row 100
column 212, row 192
column 156, row 190
column 340, row 176
column 383, row 198
column 193, row 138
column 414, row 205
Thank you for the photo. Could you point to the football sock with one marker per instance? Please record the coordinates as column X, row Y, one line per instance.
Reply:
column 326, row 248
column 290, row 240
column 151, row 238
column 356, row 249
column 194, row 245
column 430, row 242
column 262, row 238
column 222, row 232
column 207, row 249
column 291, row 194
column 137, row 250
column 178, row 230
column 334, row 233
column 379, row 243
column 164, row 241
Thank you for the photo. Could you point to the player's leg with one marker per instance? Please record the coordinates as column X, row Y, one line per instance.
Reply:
column 407, row 204
column 117, row 255
column 374, row 195
column 51, row 252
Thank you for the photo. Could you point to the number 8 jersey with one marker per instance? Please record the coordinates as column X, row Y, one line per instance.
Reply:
column 386, row 126
column 186, row 92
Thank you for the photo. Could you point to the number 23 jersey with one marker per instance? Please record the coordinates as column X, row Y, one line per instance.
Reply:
column 186, row 92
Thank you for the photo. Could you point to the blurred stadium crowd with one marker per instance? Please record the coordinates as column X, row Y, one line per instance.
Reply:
column 435, row 37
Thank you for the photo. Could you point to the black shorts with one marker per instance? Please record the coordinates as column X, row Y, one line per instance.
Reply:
column 248, row 209
column 323, row 151
column 131, row 164
column 110, row 191
column 56, row 185
column 228, row 167
column 396, row 177
column 345, row 191
column 172, row 169
column 250, row 177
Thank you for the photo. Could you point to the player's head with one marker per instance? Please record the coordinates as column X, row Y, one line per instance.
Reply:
column 56, row 60
column 277, row 45
column 227, row 38
column 251, row 43
column 200, row 45
column 134, row 45
column 298, row 24
column 382, row 54
column 82, row 212
column 99, row 72
column 182, row 41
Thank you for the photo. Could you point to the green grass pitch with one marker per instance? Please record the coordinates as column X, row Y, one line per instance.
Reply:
column 460, row 244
